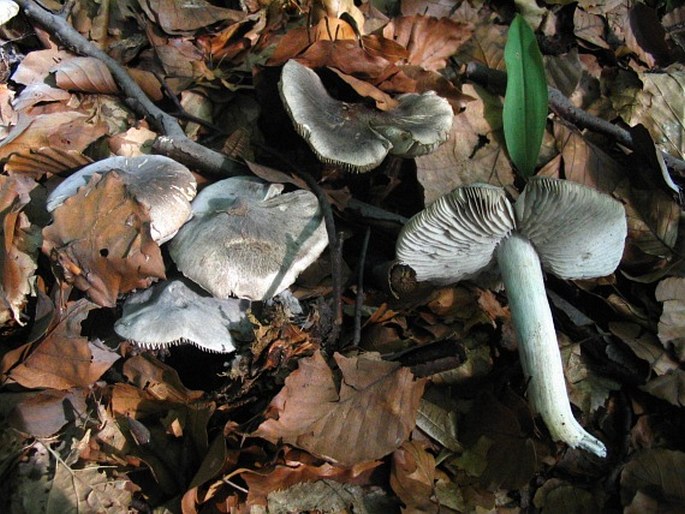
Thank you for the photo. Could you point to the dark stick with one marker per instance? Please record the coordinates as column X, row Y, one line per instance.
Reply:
column 359, row 300
column 209, row 161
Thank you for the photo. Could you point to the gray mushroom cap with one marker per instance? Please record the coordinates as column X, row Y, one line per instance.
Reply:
column 577, row 231
column 173, row 312
column 163, row 185
column 247, row 240
column 358, row 137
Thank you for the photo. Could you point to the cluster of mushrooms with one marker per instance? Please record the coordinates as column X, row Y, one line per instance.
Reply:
column 242, row 240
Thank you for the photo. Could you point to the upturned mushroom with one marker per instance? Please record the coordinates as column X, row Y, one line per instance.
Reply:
column 248, row 240
column 567, row 229
column 358, row 137
column 163, row 185
column 173, row 312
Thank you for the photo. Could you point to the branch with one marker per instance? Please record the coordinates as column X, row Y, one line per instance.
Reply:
column 209, row 161
column 496, row 81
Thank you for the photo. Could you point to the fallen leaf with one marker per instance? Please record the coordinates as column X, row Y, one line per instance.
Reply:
column 100, row 241
column 70, row 130
column 669, row 387
column 63, row 359
column 158, row 379
column 559, row 496
column 378, row 398
column 671, row 292
column 86, row 75
column 180, row 17
column 18, row 253
column 473, row 153
column 43, row 161
column 44, row 413
column 658, row 474
column 413, row 476
column 430, row 41
column 299, row 467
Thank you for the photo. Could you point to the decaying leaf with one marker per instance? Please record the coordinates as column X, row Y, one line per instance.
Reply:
column 473, row 153
column 413, row 477
column 69, row 130
column 300, row 467
column 85, row 74
column 44, row 413
column 430, row 41
column 86, row 489
column 657, row 474
column 671, row 292
column 100, row 241
column 63, row 359
column 18, row 253
column 179, row 17
column 669, row 387
column 367, row 417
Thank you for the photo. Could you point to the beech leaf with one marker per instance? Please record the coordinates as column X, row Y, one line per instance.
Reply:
column 100, row 241
column 367, row 417
column 525, row 103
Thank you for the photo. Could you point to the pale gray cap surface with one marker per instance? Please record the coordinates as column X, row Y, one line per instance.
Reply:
column 577, row 231
column 251, row 245
column 161, row 184
column 355, row 136
column 173, row 312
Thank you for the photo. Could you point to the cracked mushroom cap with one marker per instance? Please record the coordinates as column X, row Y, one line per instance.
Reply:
column 161, row 184
column 577, row 231
column 173, row 312
column 358, row 137
column 248, row 240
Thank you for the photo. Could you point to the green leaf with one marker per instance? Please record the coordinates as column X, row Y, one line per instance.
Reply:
column 525, row 102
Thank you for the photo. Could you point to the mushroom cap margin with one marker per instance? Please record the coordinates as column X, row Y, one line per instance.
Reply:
column 171, row 313
column 455, row 237
column 577, row 231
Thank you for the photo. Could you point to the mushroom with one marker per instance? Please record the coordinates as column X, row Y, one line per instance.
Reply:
column 567, row 229
column 354, row 135
column 163, row 185
column 248, row 240
column 173, row 312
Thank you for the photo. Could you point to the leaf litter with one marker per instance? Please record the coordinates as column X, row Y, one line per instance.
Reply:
column 290, row 422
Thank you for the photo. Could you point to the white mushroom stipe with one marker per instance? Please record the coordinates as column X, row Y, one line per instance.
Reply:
column 538, row 349
column 562, row 227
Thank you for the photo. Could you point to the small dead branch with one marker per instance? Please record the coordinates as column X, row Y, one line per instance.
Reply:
column 496, row 81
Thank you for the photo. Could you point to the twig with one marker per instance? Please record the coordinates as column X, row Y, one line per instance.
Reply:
column 359, row 300
column 207, row 160
column 496, row 81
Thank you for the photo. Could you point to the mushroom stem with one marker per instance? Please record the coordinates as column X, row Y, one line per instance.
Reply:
column 540, row 357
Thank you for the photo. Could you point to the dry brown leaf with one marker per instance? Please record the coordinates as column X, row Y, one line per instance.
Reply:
column 369, row 416
column 38, row 98
column 473, row 153
column 298, row 467
column 63, row 359
column 413, row 477
column 86, row 75
column 62, row 130
column 671, row 292
column 35, row 67
column 100, row 241
column 18, row 253
column 45, row 161
column 46, row 412
column 178, row 17
column 158, row 379
column 430, row 41
column 658, row 474
column 669, row 387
